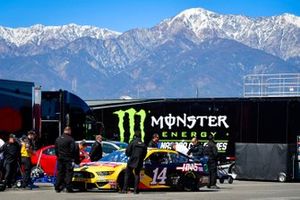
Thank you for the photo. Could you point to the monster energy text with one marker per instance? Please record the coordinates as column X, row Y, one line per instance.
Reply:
column 169, row 122
column 190, row 122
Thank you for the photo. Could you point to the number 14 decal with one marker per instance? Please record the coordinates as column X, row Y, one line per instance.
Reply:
column 161, row 177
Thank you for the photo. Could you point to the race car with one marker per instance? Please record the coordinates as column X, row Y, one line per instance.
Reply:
column 162, row 169
column 107, row 146
column 45, row 157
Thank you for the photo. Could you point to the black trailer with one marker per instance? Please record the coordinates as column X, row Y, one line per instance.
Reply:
column 24, row 107
column 16, row 107
column 63, row 108
column 230, row 120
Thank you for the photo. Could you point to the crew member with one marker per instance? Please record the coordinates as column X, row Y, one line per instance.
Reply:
column 65, row 151
column 26, row 151
column 96, row 151
column 12, row 155
column 136, row 151
column 33, row 140
column 196, row 149
column 211, row 151
column 82, row 151
column 154, row 142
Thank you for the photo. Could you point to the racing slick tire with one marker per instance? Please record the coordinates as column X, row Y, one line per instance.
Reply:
column 189, row 182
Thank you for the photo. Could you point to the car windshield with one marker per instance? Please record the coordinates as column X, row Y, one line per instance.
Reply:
column 117, row 156
column 122, row 145
column 88, row 149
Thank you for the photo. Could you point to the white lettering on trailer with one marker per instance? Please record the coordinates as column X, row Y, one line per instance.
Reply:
column 190, row 122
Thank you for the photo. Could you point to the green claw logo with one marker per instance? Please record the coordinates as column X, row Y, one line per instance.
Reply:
column 132, row 113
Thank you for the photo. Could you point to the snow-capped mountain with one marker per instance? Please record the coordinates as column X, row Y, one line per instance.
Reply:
column 181, row 53
column 278, row 35
column 53, row 36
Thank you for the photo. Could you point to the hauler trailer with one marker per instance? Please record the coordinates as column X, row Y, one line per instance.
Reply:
column 24, row 107
column 233, row 121
column 19, row 105
column 62, row 108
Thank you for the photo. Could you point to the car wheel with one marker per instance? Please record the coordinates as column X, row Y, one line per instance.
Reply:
column 190, row 183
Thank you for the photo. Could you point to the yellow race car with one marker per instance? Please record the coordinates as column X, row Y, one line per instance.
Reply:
column 162, row 169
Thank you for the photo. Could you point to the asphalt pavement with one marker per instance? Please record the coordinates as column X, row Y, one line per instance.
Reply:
column 244, row 190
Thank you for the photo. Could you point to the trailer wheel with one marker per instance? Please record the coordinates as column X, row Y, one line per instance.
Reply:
column 282, row 177
column 230, row 180
column 19, row 183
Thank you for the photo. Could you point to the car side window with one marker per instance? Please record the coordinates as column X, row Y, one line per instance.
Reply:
column 49, row 151
column 107, row 148
column 178, row 158
column 159, row 158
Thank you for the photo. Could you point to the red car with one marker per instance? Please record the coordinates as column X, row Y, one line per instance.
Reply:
column 47, row 158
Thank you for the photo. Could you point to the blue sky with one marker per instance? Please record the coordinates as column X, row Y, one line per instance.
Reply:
column 122, row 15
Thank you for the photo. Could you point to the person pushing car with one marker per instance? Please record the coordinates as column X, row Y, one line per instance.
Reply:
column 136, row 151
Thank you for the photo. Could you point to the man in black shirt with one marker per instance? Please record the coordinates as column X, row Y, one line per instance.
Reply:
column 154, row 142
column 211, row 151
column 196, row 149
column 12, row 156
column 96, row 152
column 65, row 151
column 136, row 151
column 33, row 140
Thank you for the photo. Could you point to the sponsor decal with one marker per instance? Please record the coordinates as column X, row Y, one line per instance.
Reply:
column 196, row 167
column 168, row 126
column 189, row 122
column 159, row 176
column 132, row 113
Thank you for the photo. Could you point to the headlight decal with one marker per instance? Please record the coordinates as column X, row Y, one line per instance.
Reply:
column 105, row 173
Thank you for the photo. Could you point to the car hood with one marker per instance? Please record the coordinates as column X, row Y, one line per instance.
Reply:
column 100, row 166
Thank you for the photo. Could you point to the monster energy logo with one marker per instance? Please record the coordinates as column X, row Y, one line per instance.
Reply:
column 132, row 113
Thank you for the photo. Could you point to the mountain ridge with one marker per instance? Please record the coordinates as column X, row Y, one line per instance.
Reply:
column 100, row 63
